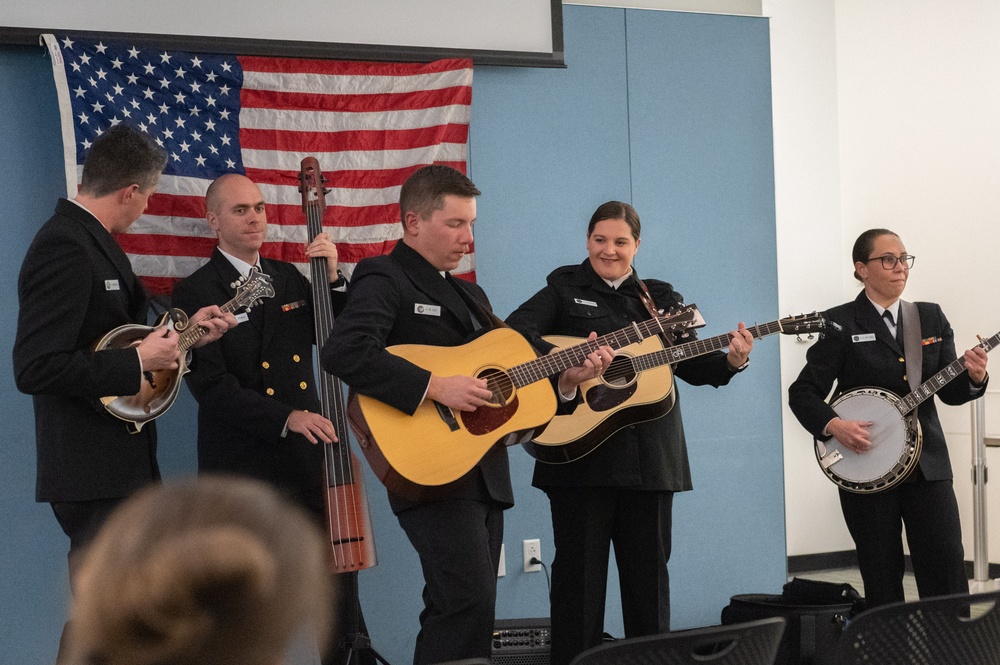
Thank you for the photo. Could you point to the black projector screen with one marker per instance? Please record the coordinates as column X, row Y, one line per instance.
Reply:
column 492, row 32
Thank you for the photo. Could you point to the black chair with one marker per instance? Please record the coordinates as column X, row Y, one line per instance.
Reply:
column 751, row 643
column 947, row 630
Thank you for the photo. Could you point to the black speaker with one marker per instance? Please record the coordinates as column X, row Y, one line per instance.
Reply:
column 521, row 642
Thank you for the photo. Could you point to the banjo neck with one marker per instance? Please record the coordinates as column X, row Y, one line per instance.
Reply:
column 926, row 389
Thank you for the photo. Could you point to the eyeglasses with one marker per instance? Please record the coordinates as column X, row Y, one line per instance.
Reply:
column 889, row 261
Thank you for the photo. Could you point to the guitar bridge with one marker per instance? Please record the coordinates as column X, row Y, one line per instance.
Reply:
column 447, row 415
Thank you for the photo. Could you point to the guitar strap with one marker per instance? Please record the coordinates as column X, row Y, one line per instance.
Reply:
column 647, row 299
column 912, row 348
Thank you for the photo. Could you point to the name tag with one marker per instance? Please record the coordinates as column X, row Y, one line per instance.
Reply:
column 588, row 303
column 242, row 317
column 427, row 310
column 869, row 337
column 111, row 285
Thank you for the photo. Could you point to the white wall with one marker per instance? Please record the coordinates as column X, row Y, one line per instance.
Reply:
column 886, row 114
column 920, row 153
column 811, row 261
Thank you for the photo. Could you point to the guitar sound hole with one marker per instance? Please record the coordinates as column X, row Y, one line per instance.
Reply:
column 620, row 372
column 499, row 384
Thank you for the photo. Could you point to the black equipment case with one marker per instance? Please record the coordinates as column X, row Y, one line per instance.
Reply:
column 816, row 613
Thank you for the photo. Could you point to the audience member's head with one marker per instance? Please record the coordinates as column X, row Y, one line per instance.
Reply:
column 214, row 571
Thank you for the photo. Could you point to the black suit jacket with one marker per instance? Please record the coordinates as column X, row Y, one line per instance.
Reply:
column 650, row 455
column 249, row 381
column 75, row 286
column 841, row 358
column 383, row 310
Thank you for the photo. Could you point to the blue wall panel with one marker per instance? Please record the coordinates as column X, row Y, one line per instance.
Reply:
column 703, row 181
column 669, row 111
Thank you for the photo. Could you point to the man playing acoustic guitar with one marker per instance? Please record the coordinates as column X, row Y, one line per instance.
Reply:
column 409, row 297
column 76, row 285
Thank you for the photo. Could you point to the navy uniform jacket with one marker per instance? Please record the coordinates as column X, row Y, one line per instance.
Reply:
column 380, row 312
column 837, row 359
column 75, row 286
column 249, row 381
column 650, row 455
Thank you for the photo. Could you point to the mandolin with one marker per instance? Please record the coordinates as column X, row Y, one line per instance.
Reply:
column 159, row 388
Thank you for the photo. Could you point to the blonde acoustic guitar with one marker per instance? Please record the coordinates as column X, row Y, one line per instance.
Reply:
column 422, row 456
column 638, row 386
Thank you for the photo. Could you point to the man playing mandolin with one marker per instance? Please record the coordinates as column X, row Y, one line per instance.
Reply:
column 76, row 285
column 879, row 342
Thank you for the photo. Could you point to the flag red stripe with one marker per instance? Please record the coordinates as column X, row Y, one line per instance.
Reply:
column 159, row 245
column 313, row 101
column 345, row 216
column 400, row 139
column 349, row 68
column 166, row 245
column 175, row 205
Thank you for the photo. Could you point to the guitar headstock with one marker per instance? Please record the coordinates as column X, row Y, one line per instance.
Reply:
column 681, row 317
column 252, row 289
column 807, row 324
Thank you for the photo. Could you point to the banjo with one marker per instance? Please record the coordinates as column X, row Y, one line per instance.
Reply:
column 895, row 432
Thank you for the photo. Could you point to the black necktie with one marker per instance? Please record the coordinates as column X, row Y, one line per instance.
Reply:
column 887, row 315
column 476, row 324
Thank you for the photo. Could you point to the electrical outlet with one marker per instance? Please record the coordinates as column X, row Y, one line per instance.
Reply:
column 532, row 550
column 502, row 568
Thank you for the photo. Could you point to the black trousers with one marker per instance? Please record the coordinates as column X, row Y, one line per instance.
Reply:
column 929, row 511
column 81, row 520
column 585, row 522
column 458, row 542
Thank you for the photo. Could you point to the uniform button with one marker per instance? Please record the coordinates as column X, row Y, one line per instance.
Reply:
column 270, row 391
column 904, row 378
column 902, row 360
column 265, row 365
column 303, row 385
column 296, row 357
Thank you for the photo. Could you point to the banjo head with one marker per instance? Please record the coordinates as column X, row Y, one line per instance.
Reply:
column 895, row 443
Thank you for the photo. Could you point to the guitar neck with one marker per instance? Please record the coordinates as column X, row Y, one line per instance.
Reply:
column 698, row 347
column 927, row 389
column 554, row 363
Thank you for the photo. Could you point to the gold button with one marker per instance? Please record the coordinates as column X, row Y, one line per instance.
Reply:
column 904, row 378
column 265, row 365
column 296, row 357
column 270, row 391
column 303, row 385
column 902, row 360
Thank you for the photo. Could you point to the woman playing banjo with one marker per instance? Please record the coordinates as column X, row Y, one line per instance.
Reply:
column 867, row 351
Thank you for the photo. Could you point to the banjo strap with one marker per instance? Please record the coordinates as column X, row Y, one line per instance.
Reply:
column 912, row 347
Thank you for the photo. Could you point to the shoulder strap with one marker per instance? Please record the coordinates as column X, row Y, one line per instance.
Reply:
column 647, row 299
column 912, row 348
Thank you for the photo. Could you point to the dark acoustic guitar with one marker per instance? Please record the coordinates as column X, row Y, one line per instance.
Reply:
column 159, row 388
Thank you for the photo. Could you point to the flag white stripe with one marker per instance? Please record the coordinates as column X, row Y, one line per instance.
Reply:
column 340, row 121
column 354, row 84
column 356, row 160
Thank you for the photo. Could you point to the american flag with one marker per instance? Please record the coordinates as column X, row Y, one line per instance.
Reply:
column 368, row 124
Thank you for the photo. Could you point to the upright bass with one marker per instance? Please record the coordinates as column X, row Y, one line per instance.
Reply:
column 348, row 519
